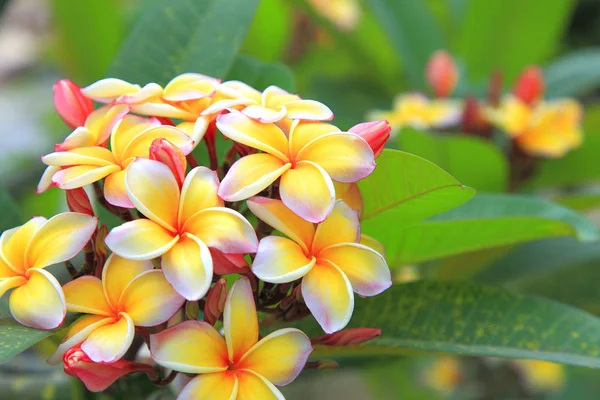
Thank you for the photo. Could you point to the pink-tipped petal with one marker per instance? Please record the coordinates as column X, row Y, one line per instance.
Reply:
column 110, row 342
column 309, row 110
column 280, row 260
column 140, row 239
column 240, row 322
column 264, row 115
column 81, row 175
column 46, row 181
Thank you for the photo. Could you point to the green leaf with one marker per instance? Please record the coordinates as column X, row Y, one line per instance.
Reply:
column 574, row 74
column 485, row 222
column 406, row 188
column 260, row 74
column 10, row 216
column 474, row 161
column 413, row 31
column 510, row 34
column 270, row 31
column 471, row 319
column 177, row 36
column 579, row 201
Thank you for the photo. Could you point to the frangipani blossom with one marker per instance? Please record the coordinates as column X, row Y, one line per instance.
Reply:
column 547, row 129
column 182, row 224
column 307, row 161
column 272, row 105
column 417, row 111
column 25, row 251
column 130, row 294
column 329, row 259
column 239, row 366
column 131, row 138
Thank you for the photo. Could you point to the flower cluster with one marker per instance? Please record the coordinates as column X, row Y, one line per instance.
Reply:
column 157, row 275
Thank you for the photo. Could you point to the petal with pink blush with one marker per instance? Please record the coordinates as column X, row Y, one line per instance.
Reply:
column 266, row 137
column 342, row 226
column 110, row 342
column 278, row 357
column 115, row 191
column 40, row 302
column 107, row 90
column 238, row 89
column 96, row 156
column 309, row 110
column 345, row 156
column 82, row 175
column 149, row 299
column 308, row 191
column 250, row 175
column 189, row 86
column 304, row 132
column 77, row 333
column 80, row 137
column 154, row 191
column 149, row 92
column 366, row 269
column 240, row 322
column 118, row 273
column 195, row 130
column 60, row 239
column 85, row 295
column 264, row 115
column 280, row 260
column 278, row 216
column 141, row 239
column 188, row 267
column 328, row 295
column 252, row 386
column 224, row 229
column 214, row 386
column 140, row 146
column 46, row 182
column 221, row 105
column 199, row 191
column 191, row 347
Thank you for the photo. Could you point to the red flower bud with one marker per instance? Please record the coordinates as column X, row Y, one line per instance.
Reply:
column 164, row 151
column 70, row 103
column 78, row 201
column 473, row 118
column 225, row 264
column 376, row 133
column 530, row 85
column 215, row 302
column 98, row 376
column 441, row 73
column 348, row 337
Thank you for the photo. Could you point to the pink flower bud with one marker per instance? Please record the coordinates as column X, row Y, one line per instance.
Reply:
column 78, row 201
column 530, row 85
column 376, row 133
column 70, row 103
column 215, row 302
column 164, row 151
column 98, row 376
column 348, row 337
column 225, row 264
column 441, row 73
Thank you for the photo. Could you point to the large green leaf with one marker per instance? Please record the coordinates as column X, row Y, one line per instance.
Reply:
column 510, row 34
column 574, row 74
column 413, row 31
column 177, row 36
column 474, row 161
column 260, row 74
column 16, row 338
column 485, row 222
column 471, row 319
column 270, row 31
column 10, row 215
column 405, row 188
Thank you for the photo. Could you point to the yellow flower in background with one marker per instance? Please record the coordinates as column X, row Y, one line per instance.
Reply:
column 547, row 129
column 130, row 294
column 38, row 300
column 417, row 111
column 542, row 375
column 238, row 366
column 131, row 138
column 444, row 374
column 343, row 13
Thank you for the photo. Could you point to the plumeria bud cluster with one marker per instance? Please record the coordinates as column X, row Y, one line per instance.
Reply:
column 162, row 274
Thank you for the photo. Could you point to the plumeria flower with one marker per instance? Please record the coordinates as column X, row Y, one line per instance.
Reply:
column 25, row 251
column 547, row 129
column 306, row 162
column 272, row 105
column 182, row 224
column 329, row 259
column 417, row 111
column 345, row 14
column 131, row 138
column 130, row 294
column 239, row 366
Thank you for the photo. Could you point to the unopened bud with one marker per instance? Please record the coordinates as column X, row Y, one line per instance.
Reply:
column 376, row 134
column 225, row 264
column 441, row 73
column 530, row 85
column 164, row 151
column 98, row 376
column 100, row 245
column 473, row 118
column 215, row 302
column 70, row 103
column 348, row 337
column 78, row 201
